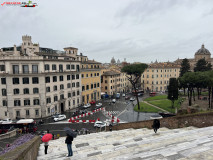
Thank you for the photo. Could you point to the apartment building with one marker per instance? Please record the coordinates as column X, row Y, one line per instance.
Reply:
column 156, row 76
column 38, row 82
column 90, row 79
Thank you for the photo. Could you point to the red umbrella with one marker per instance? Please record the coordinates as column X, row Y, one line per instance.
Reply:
column 47, row 137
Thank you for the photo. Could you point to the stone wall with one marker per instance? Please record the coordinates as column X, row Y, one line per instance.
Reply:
column 27, row 151
column 8, row 134
column 196, row 120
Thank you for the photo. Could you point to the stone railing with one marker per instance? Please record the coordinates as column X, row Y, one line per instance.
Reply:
column 8, row 134
column 27, row 151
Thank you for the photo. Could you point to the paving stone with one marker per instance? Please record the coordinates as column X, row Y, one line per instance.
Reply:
column 81, row 145
column 93, row 154
column 174, row 157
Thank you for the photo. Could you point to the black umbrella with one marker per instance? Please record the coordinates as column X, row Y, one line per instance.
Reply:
column 70, row 132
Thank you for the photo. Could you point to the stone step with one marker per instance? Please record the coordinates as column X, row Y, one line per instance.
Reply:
column 135, row 144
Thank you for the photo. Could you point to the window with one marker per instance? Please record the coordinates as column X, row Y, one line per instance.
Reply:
column 17, row 103
column 77, row 76
column 105, row 87
column 72, row 66
column 82, row 76
column 68, row 85
column 68, row 67
column 2, row 67
column 69, row 95
column 78, row 93
column 61, row 96
column 48, row 110
column 91, row 75
column 4, row 92
column 26, row 102
column 97, row 74
column 61, row 78
column 147, row 76
column 111, row 87
column 35, row 90
column 77, row 68
column 61, row 86
column 73, row 102
column 55, row 107
column 27, row 112
column 86, row 75
column 152, row 76
column 15, row 69
column 54, row 78
column 26, row 91
column 4, row 102
column 15, row 80
column 83, row 88
column 5, row 114
column 47, row 89
column 25, row 80
column 73, row 77
column 97, row 84
column 55, row 98
column 3, row 80
column 78, row 84
column 35, row 80
column 54, row 67
column 73, row 93
column 25, row 68
column 16, row 91
column 91, row 86
column 47, row 79
column 55, row 88
column 36, row 102
column 87, row 87
column 34, row 68
column 48, row 100
column 36, row 112
column 106, row 81
column 60, row 68
column 17, row 113
column 68, row 77
column 47, row 67
column 73, row 84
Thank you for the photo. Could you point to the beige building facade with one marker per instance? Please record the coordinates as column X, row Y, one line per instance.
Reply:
column 37, row 82
column 156, row 76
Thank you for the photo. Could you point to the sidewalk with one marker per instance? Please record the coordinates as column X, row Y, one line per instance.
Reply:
column 156, row 107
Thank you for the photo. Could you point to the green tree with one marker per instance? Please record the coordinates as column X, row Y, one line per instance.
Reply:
column 202, row 66
column 185, row 67
column 173, row 90
column 134, row 72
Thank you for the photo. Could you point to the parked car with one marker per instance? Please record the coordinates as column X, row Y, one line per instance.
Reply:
column 60, row 117
column 118, row 95
column 140, row 94
column 55, row 115
column 113, row 100
column 87, row 105
column 123, row 95
column 99, row 105
column 99, row 124
column 152, row 94
column 127, row 97
column 132, row 99
column 92, row 102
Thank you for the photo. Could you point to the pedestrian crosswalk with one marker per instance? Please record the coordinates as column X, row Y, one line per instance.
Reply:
column 114, row 112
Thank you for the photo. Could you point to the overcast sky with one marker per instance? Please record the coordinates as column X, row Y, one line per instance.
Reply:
column 138, row 30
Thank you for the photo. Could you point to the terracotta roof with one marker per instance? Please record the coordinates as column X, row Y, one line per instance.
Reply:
column 164, row 65
column 70, row 48
column 90, row 62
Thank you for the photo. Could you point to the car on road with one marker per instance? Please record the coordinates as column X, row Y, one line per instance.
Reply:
column 113, row 100
column 132, row 99
column 99, row 105
column 92, row 102
column 87, row 105
column 127, row 97
column 123, row 95
column 60, row 117
column 55, row 115
column 140, row 94
column 99, row 124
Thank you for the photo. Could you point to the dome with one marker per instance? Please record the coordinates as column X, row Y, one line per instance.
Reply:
column 203, row 50
column 113, row 60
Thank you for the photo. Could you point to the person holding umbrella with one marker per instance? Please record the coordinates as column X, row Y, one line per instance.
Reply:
column 156, row 122
column 70, row 135
column 46, row 138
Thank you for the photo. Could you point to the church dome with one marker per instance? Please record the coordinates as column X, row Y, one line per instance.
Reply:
column 113, row 60
column 203, row 50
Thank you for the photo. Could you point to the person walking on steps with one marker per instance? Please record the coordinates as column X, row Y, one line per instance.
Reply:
column 46, row 144
column 68, row 141
column 156, row 125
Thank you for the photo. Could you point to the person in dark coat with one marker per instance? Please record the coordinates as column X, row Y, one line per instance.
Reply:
column 156, row 125
column 68, row 141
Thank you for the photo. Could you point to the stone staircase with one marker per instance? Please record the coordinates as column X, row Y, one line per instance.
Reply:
column 136, row 144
